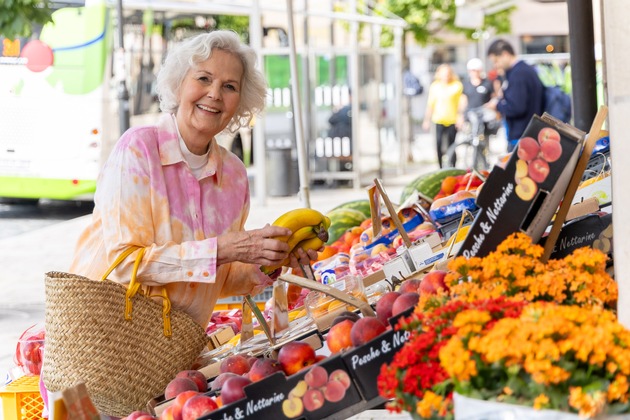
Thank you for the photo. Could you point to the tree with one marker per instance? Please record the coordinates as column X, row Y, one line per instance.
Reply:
column 17, row 17
column 428, row 19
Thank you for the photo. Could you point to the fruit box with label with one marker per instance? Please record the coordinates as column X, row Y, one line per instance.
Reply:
column 524, row 196
column 316, row 392
column 594, row 230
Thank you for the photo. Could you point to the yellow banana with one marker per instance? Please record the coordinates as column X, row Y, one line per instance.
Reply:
column 308, row 237
column 298, row 218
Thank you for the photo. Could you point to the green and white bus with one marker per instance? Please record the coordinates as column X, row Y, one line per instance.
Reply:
column 59, row 90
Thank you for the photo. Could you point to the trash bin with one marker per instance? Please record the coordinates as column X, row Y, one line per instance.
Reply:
column 282, row 168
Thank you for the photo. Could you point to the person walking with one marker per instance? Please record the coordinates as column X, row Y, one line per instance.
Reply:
column 442, row 107
column 521, row 95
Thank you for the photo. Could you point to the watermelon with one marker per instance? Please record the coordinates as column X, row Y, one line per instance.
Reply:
column 362, row 205
column 429, row 184
column 341, row 220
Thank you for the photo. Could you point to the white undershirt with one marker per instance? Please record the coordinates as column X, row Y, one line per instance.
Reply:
column 196, row 163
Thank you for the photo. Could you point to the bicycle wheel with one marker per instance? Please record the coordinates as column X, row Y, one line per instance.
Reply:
column 468, row 154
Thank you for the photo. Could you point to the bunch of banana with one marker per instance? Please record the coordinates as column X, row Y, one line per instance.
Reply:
column 310, row 231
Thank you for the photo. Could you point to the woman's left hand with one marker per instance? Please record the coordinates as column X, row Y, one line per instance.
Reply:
column 299, row 257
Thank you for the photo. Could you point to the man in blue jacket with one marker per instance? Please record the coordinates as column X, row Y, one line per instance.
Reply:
column 521, row 94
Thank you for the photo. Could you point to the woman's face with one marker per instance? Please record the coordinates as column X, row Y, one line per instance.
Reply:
column 208, row 98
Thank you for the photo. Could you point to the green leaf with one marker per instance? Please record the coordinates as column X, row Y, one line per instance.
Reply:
column 20, row 16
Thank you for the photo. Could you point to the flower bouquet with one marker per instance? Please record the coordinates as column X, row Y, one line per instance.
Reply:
column 484, row 291
column 566, row 358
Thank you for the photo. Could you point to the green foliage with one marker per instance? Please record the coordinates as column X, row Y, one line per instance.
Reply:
column 17, row 17
column 427, row 19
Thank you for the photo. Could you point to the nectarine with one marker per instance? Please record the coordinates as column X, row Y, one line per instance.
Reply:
column 196, row 376
column 384, row 305
column 295, row 356
column 198, row 406
column 263, row 368
column 528, row 148
column 234, row 389
column 179, row 385
column 365, row 330
column 404, row 302
column 316, row 377
column 433, row 281
column 236, row 364
column 338, row 337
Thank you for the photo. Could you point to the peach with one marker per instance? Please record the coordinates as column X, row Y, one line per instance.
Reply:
column 198, row 406
column 313, row 399
column 145, row 417
column 234, row 389
column 433, row 281
column 521, row 169
column 263, row 368
column 334, row 391
column 220, row 380
column 551, row 150
column 197, row 377
column 292, row 407
column 179, row 402
column 338, row 337
column 342, row 376
column 295, row 356
column 384, row 306
column 463, row 195
column 316, row 377
column 548, row 133
column 410, row 285
column 236, row 364
column 526, row 189
column 404, row 302
column 365, row 330
column 528, row 148
column 169, row 413
column 538, row 170
column 178, row 385
column 299, row 390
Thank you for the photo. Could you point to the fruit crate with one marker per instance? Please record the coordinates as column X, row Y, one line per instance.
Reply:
column 21, row 399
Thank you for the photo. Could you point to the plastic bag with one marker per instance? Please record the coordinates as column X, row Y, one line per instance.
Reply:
column 29, row 352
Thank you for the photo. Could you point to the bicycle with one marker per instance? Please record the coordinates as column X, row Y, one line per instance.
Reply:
column 471, row 151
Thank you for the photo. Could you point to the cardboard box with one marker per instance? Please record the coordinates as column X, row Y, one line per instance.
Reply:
column 520, row 197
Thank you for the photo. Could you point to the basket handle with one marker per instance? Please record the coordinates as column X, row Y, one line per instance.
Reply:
column 134, row 287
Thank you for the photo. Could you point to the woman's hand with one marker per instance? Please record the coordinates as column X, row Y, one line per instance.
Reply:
column 299, row 257
column 257, row 246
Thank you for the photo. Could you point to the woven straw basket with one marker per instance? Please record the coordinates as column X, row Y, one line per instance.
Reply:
column 124, row 363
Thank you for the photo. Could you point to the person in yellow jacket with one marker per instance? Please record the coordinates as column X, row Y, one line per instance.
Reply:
column 442, row 108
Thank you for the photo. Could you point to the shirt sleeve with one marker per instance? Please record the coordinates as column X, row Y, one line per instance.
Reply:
column 513, row 104
column 132, row 209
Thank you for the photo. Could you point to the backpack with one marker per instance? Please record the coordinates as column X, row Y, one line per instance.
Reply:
column 411, row 84
column 557, row 103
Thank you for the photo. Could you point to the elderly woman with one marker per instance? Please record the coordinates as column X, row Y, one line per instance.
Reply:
column 171, row 189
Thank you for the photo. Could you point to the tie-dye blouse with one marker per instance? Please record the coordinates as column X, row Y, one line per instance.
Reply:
column 147, row 196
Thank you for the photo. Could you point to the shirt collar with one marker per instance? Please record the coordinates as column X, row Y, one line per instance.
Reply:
column 170, row 152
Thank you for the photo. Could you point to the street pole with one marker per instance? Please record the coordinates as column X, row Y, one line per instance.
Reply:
column 123, row 93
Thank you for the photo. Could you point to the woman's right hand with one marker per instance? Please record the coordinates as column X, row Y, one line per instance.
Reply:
column 257, row 246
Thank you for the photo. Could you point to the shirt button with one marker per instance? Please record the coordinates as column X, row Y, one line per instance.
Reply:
column 189, row 274
column 206, row 274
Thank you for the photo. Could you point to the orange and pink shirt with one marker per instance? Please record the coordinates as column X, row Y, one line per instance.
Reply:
column 147, row 196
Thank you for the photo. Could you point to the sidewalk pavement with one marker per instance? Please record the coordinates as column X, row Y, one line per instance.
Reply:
column 26, row 257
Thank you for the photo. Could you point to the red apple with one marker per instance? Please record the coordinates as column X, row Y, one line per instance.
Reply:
column 196, row 376
column 295, row 356
column 528, row 148
column 179, row 385
column 548, row 133
column 433, row 281
column 263, row 368
column 404, row 302
column 198, row 406
column 384, row 306
column 234, row 389
column 538, row 170
column 236, row 364
column 365, row 330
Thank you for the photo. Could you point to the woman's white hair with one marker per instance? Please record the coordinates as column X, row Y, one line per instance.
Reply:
column 199, row 48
